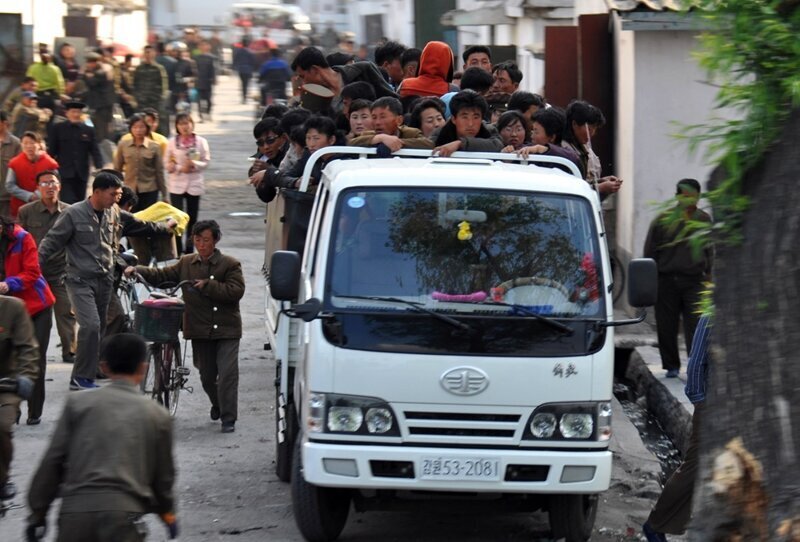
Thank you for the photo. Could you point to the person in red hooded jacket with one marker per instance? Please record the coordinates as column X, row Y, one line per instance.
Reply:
column 21, row 277
column 435, row 73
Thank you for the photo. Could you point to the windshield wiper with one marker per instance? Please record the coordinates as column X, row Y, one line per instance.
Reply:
column 528, row 312
column 414, row 305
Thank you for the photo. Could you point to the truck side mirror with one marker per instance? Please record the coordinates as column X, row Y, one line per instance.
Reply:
column 643, row 282
column 284, row 275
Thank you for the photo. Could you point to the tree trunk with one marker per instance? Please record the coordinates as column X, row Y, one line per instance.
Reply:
column 749, row 486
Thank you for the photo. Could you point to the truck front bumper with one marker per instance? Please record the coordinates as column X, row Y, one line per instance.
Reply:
column 410, row 468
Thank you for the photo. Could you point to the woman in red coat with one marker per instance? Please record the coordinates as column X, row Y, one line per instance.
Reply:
column 20, row 276
column 23, row 168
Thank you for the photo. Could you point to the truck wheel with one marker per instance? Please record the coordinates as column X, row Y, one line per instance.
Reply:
column 284, row 450
column 320, row 512
column 572, row 516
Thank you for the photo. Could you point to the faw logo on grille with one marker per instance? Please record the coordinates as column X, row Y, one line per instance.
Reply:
column 465, row 380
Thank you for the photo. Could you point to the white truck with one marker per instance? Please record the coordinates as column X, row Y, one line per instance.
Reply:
column 443, row 327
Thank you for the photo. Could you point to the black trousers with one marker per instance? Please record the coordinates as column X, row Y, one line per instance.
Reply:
column 191, row 206
column 101, row 118
column 146, row 199
column 42, row 324
column 204, row 100
column 678, row 296
column 673, row 509
column 245, row 79
column 73, row 189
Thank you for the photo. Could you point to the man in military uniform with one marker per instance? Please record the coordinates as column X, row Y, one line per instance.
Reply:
column 150, row 84
column 38, row 217
column 29, row 117
column 19, row 356
column 110, row 459
column 72, row 144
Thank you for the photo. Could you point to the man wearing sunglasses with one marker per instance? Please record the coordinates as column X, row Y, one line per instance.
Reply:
column 272, row 146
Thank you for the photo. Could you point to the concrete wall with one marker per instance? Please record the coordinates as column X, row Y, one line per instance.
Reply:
column 659, row 88
column 397, row 16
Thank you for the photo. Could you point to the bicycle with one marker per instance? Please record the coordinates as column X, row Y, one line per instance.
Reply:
column 617, row 276
column 158, row 321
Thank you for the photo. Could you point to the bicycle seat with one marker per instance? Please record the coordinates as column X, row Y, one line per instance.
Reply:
column 130, row 259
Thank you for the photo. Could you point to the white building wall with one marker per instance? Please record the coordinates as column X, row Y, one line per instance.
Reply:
column 668, row 90
column 397, row 17
column 46, row 17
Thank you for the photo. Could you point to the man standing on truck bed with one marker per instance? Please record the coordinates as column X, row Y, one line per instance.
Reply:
column 212, row 319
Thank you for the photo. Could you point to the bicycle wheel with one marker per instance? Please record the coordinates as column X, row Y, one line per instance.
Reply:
column 128, row 300
column 169, row 377
column 618, row 276
column 148, row 384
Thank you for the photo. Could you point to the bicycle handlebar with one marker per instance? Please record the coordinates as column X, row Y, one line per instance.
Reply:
column 169, row 290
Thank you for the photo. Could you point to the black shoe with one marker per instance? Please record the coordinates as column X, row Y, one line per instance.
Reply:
column 68, row 358
column 214, row 413
column 228, row 427
column 34, row 421
column 8, row 491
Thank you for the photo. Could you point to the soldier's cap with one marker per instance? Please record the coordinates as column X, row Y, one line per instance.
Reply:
column 92, row 56
column 74, row 104
column 29, row 94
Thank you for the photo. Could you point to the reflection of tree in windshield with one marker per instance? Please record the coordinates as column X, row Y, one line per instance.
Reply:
column 521, row 237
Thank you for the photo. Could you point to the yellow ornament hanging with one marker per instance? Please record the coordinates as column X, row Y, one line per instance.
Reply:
column 464, row 233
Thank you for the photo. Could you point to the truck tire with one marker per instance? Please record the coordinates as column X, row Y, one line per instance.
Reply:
column 320, row 512
column 284, row 450
column 572, row 516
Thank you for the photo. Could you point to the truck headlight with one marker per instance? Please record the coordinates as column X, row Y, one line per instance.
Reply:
column 543, row 425
column 578, row 426
column 570, row 421
column 379, row 420
column 345, row 419
column 352, row 414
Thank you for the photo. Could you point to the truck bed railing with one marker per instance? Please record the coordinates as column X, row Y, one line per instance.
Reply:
column 460, row 157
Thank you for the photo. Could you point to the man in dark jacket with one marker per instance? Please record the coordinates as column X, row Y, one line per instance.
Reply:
column 150, row 82
column 72, row 144
column 206, row 79
column 681, row 274
column 244, row 63
column 170, row 65
column 101, row 96
column 212, row 319
column 110, row 459
column 466, row 131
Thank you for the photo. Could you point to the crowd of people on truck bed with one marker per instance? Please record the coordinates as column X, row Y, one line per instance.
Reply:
column 82, row 147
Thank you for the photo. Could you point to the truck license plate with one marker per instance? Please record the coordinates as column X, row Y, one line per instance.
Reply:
column 451, row 468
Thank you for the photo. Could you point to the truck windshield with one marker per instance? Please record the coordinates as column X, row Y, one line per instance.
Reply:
column 484, row 258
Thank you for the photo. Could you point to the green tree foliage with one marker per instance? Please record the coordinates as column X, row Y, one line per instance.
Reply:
column 753, row 51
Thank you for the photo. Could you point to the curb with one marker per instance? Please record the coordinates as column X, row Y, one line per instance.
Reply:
column 673, row 414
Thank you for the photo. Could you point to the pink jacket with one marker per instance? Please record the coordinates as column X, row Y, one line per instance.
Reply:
column 191, row 183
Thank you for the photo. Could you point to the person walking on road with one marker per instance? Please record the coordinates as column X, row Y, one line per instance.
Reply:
column 89, row 232
column 206, row 79
column 681, row 274
column 141, row 162
column 10, row 147
column 244, row 63
column 18, row 361
column 110, row 458
column 212, row 319
column 673, row 509
column 38, row 218
column 150, row 82
column 188, row 155
column 101, row 96
column 21, row 277
column 73, row 144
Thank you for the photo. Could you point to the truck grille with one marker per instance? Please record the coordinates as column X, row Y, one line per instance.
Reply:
column 461, row 424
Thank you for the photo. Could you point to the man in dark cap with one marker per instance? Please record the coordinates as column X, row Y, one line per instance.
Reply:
column 72, row 144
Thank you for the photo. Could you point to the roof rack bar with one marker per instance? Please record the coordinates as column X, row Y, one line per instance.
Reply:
column 458, row 157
